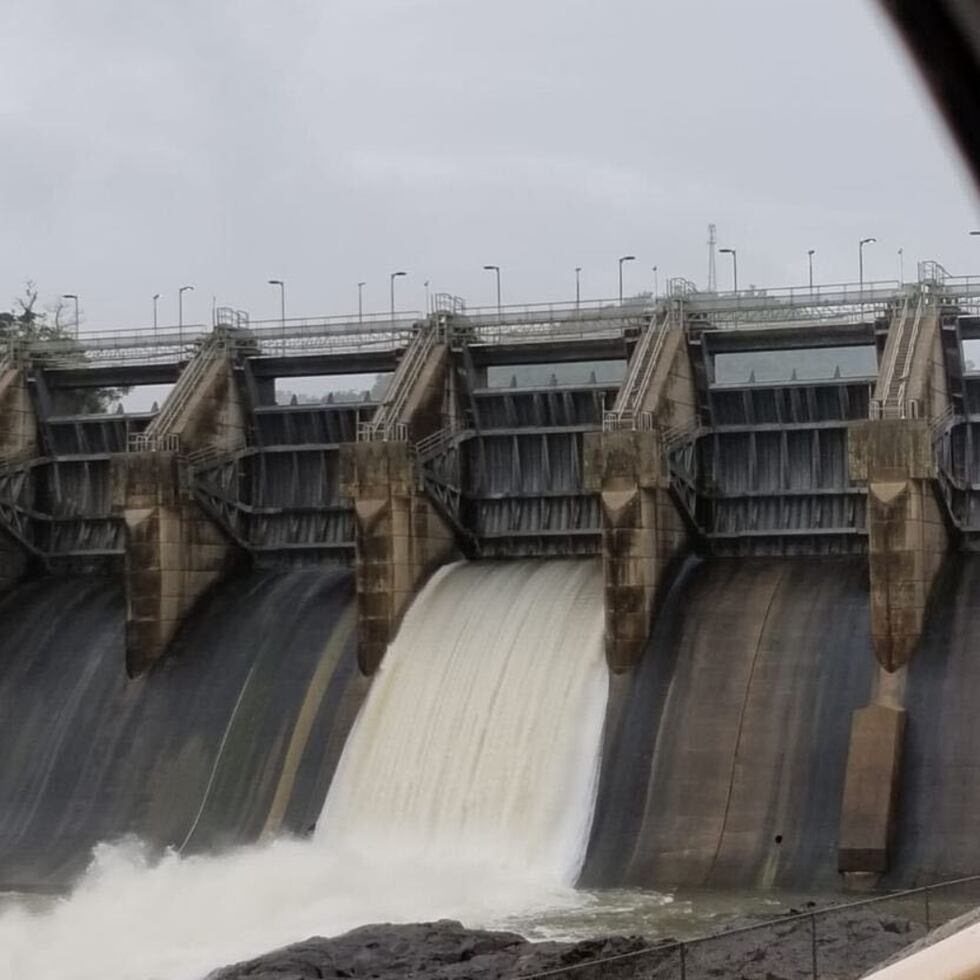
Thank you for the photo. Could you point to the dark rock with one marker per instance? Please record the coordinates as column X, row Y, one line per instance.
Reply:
column 847, row 944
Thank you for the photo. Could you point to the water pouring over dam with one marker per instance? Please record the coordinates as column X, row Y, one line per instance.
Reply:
column 479, row 743
column 740, row 539
column 466, row 788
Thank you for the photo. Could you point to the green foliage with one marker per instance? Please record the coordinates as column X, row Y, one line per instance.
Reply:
column 27, row 325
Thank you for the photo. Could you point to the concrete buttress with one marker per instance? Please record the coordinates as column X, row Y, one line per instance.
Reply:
column 401, row 539
column 174, row 553
column 643, row 532
column 907, row 542
column 401, row 536
column 18, row 441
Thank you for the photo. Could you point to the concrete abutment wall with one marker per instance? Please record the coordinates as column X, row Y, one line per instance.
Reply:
column 19, row 440
column 174, row 553
column 643, row 532
column 401, row 540
column 401, row 536
column 908, row 538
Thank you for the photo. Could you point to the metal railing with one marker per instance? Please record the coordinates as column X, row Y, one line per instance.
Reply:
column 802, row 929
column 391, row 432
column 909, row 352
column 627, row 419
column 388, row 418
column 890, row 398
column 314, row 335
column 439, row 441
column 939, row 424
column 352, row 332
column 144, row 442
column 552, row 322
column 901, row 408
column 643, row 363
column 186, row 386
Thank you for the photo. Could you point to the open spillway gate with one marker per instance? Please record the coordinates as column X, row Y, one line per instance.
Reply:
column 837, row 421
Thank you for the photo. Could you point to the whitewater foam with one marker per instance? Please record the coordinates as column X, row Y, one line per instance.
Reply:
column 465, row 791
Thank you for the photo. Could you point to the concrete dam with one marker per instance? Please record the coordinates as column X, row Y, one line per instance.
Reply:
column 661, row 594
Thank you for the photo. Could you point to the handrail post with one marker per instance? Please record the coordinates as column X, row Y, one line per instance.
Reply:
column 683, row 951
column 925, row 896
column 813, row 944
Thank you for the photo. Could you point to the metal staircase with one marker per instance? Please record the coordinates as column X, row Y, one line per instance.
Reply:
column 159, row 435
column 626, row 411
column 387, row 424
column 891, row 392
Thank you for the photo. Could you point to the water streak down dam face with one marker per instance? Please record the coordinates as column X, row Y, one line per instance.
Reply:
column 725, row 751
column 466, row 789
column 237, row 732
column 940, row 802
column 479, row 742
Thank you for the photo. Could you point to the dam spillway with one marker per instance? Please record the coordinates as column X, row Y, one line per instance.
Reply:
column 937, row 835
column 764, row 486
column 465, row 788
column 726, row 749
column 236, row 733
column 479, row 742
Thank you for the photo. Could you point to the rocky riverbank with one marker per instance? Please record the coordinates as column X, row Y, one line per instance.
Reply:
column 848, row 945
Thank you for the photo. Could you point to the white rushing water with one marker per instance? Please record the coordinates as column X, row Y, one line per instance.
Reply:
column 465, row 791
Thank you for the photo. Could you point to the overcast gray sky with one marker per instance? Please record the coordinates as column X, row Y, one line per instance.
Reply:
column 224, row 142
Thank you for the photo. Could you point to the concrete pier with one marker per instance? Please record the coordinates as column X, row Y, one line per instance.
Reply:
column 643, row 530
column 908, row 537
column 173, row 553
column 18, row 441
column 401, row 540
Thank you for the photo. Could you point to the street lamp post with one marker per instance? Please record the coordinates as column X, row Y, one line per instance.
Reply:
column 72, row 296
column 656, row 285
column 809, row 257
column 578, row 286
column 360, row 302
column 734, row 254
column 496, row 270
column 156, row 298
column 428, row 301
column 622, row 259
column 861, row 244
column 282, row 310
column 391, row 284
column 901, row 266
column 180, row 312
